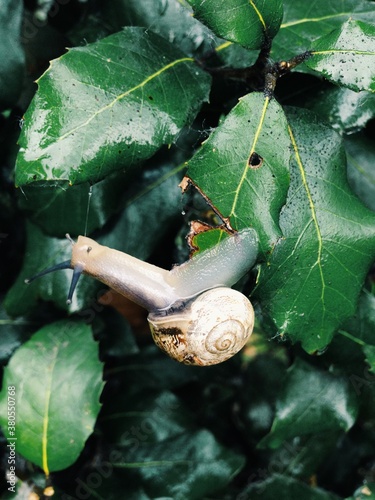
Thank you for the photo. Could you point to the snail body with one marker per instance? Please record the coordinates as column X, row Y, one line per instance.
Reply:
column 193, row 314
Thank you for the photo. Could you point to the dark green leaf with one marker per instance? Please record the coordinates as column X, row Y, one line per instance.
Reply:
column 304, row 22
column 248, row 23
column 347, row 56
column 314, row 275
column 284, row 488
column 311, row 402
column 243, row 167
column 62, row 208
column 347, row 111
column 360, row 152
column 108, row 106
column 171, row 19
column 13, row 332
column 11, row 52
column 364, row 492
column 190, row 465
column 58, row 380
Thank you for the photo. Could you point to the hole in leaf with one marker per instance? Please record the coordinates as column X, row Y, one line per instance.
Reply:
column 255, row 160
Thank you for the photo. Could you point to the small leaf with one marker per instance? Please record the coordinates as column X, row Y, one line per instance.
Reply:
column 58, row 380
column 108, row 106
column 244, row 195
column 346, row 56
column 314, row 275
column 312, row 402
column 248, row 23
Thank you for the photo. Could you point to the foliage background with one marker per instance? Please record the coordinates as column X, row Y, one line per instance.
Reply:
column 281, row 420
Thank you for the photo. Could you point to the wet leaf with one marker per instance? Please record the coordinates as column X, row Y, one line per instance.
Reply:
column 108, row 106
column 245, row 22
column 171, row 19
column 347, row 56
column 243, row 194
column 311, row 402
column 58, row 380
column 314, row 275
column 304, row 22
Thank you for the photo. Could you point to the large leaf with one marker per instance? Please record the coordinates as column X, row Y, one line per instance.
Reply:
column 314, row 275
column 304, row 22
column 170, row 18
column 243, row 167
column 108, row 106
column 312, row 402
column 245, row 22
column 57, row 379
column 347, row 56
column 190, row 465
column 11, row 52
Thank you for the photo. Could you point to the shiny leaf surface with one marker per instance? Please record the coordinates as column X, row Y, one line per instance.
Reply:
column 311, row 402
column 58, row 381
column 360, row 152
column 304, row 22
column 347, row 56
column 314, row 275
column 245, row 22
column 108, row 106
column 243, row 167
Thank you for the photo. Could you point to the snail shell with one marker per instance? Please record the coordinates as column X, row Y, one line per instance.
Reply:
column 210, row 330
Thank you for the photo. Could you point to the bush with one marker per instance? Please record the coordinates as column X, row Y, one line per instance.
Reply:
column 264, row 112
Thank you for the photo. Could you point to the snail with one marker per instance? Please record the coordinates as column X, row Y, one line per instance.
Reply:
column 193, row 314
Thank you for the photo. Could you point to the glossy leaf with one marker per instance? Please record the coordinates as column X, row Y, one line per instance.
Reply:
column 311, row 402
column 346, row 111
column 304, row 22
column 171, row 19
column 243, row 167
column 248, row 23
column 347, row 56
column 108, row 106
column 11, row 52
column 314, row 275
column 58, row 381
column 190, row 465
column 360, row 152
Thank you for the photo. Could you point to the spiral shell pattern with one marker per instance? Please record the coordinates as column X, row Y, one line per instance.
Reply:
column 215, row 326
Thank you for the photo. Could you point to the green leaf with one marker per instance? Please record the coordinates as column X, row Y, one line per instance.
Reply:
column 171, row 19
column 61, row 208
column 360, row 151
column 346, row 111
column 108, row 106
column 311, row 402
column 364, row 492
column 242, row 168
column 346, row 56
column 304, row 22
column 11, row 52
column 248, row 23
column 312, row 280
column 190, row 465
column 58, row 380
column 284, row 488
